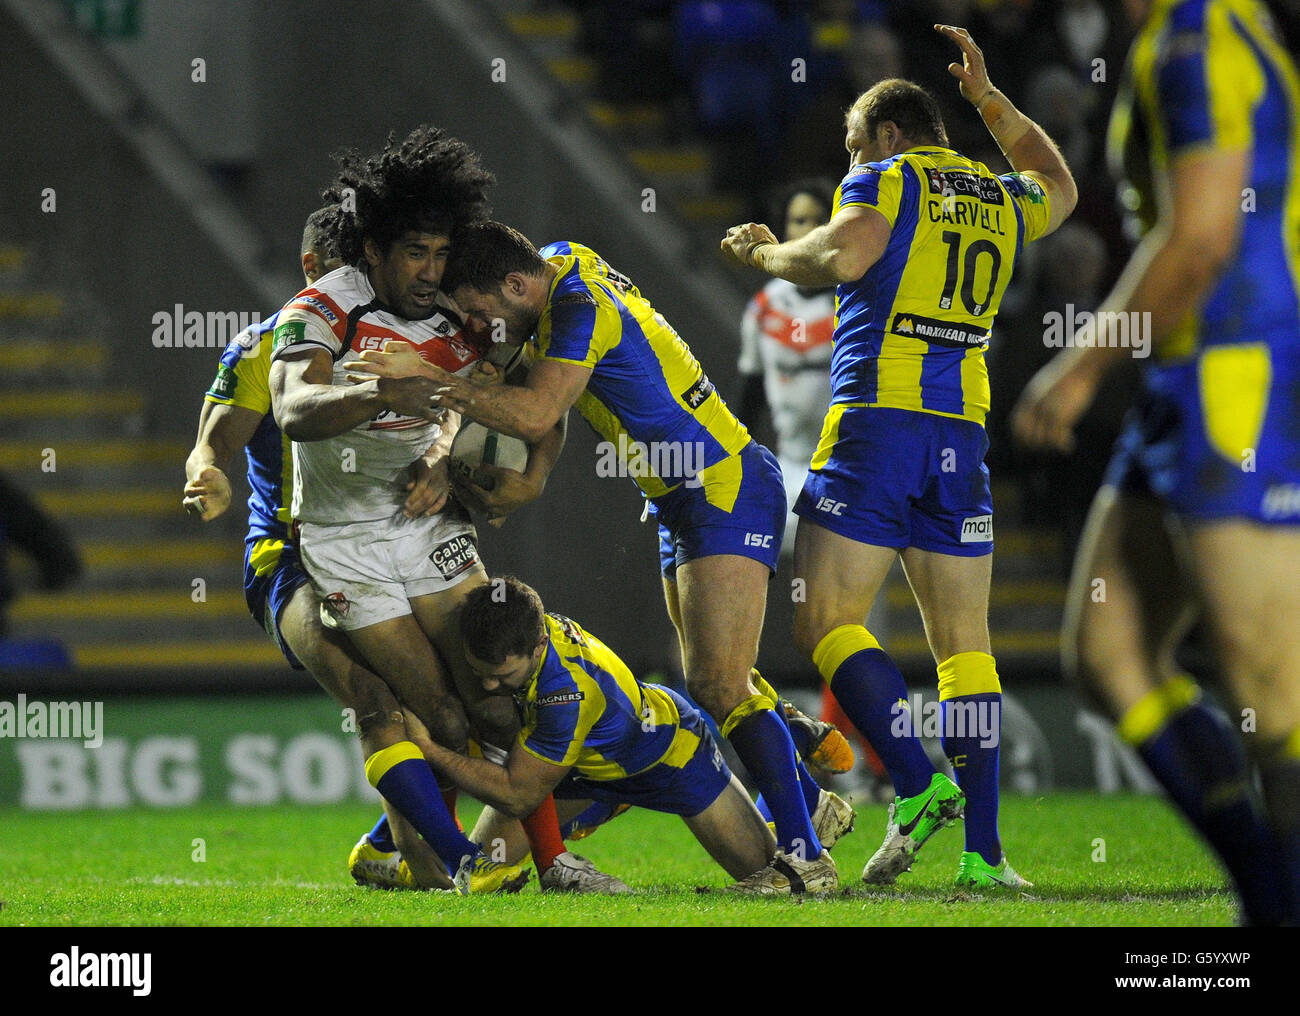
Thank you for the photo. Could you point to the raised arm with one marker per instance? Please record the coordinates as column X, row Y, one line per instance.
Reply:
column 1026, row 145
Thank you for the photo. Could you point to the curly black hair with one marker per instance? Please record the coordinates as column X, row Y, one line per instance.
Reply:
column 429, row 182
column 321, row 232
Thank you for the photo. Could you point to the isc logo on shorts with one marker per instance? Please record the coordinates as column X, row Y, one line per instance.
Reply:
column 455, row 556
column 977, row 529
column 828, row 504
column 758, row 539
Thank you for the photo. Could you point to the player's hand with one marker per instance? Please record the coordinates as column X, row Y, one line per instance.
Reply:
column 741, row 241
column 496, row 492
column 1053, row 403
column 428, row 488
column 451, row 391
column 207, row 495
column 412, row 396
column 487, row 374
column 396, row 359
column 971, row 72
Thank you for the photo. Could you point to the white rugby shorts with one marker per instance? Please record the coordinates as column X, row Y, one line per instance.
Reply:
column 367, row 572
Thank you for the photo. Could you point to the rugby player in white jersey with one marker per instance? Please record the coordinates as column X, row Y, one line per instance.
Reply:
column 392, row 582
column 237, row 415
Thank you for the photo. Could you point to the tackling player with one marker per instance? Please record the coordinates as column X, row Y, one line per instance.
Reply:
column 1200, row 511
column 718, row 495
column 922, row 243
column 593, row 732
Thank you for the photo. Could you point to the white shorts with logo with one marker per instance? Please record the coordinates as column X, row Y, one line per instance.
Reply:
column 368, row 572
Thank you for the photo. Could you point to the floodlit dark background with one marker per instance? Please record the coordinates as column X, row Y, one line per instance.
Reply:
column 162, row 154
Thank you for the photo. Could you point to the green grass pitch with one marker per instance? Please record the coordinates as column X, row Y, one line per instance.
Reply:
column 286, row 866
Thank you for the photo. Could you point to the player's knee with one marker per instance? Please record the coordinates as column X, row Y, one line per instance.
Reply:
column 1246, row 646
column 716, row 694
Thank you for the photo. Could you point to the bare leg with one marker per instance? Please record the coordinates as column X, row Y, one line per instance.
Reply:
column 1130, row 603
column 734, row 833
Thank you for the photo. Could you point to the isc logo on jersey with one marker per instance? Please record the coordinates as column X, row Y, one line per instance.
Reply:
column 428, row 350
column 977, row 529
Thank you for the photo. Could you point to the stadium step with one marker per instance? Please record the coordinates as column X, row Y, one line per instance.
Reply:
column 132, row 618
column 25, row 358
column 78, row 461
column 118, row 565
column 640, row 118
column 254, row 653
column 69, row 402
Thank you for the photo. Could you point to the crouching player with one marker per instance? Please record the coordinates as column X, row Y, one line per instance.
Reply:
column 593, row 732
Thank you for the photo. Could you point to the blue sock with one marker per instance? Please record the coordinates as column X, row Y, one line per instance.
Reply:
column 1198, row 759
column 972, row 731
column 410, row 785
column 382, row 836
column 812, row 793
column 764, row 746
column 868, row 686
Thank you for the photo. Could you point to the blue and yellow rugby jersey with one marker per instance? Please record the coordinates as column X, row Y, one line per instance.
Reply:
column 243, row 380
column 911, row 333
column 646, row 387
column 585, row 709
column 1210, row 75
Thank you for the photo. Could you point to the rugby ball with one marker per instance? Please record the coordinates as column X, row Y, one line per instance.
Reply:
column 476, row 445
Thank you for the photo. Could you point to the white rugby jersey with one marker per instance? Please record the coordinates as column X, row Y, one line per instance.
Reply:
column 785, row 335
column 360, row 474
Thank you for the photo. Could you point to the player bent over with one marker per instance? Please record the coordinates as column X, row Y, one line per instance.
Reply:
column 921, row 244
column 593, row 732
